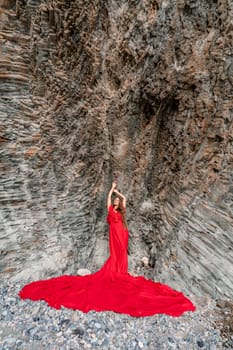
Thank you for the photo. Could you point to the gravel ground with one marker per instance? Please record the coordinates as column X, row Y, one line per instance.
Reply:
column 29, row 325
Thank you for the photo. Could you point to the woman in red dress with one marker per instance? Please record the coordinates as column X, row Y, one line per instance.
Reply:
column 118, row 232
column 112, row 287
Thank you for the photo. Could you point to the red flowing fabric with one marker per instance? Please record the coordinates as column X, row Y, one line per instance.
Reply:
column 111, row 288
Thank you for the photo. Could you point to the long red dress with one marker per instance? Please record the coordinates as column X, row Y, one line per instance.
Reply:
column 112, row 287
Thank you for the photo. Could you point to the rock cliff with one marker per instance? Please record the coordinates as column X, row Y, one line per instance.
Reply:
column 136, row 91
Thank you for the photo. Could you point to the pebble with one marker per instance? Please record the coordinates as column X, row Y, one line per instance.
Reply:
column 27, row 325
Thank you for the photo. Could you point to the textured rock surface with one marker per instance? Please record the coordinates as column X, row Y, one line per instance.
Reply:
column 137, row 91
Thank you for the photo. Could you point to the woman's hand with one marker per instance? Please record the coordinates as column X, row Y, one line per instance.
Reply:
column 114, row 185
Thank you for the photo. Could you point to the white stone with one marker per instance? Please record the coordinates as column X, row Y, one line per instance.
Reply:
column 145, row 261
column 83, row 272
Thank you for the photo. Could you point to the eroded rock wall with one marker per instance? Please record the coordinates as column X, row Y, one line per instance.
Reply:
column 140, row 92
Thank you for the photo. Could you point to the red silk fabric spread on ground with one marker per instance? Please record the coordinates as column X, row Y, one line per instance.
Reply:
column 111, row 288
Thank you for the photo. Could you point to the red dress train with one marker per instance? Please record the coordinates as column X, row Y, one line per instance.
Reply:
column 111, row 288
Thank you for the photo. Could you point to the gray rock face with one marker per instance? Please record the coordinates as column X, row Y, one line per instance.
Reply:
column 136, row 92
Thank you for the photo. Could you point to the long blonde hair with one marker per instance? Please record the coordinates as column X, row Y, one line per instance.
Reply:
column 121, row 210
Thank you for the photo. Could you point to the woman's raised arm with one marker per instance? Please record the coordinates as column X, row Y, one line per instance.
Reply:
column 110, row 195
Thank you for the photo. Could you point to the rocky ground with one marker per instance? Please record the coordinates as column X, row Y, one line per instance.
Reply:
column 27, row 325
